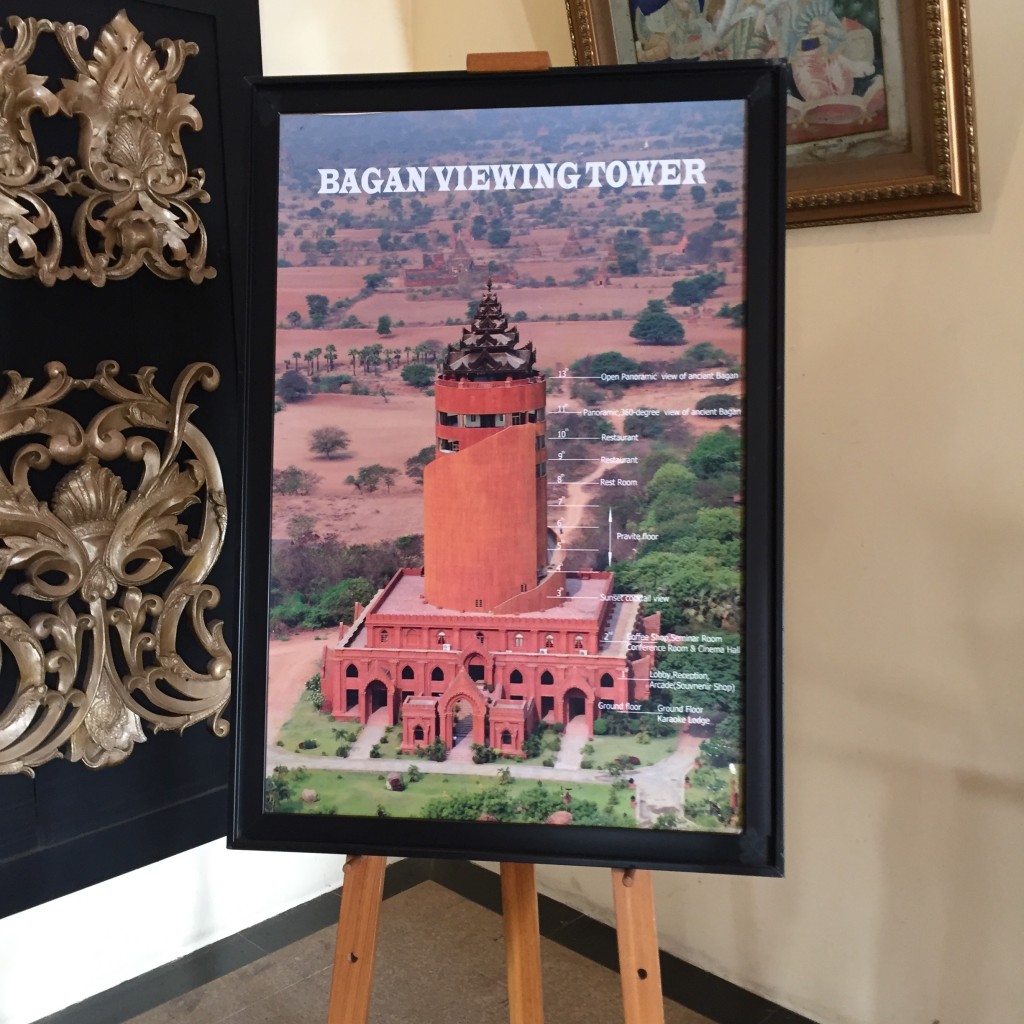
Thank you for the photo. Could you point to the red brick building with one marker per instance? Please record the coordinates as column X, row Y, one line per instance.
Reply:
column 489, row 628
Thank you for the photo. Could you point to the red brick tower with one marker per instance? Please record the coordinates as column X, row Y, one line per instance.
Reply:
column 485, row 494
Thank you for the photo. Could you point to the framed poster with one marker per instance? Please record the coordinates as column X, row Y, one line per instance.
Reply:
column 513, row 469
column 880, row 115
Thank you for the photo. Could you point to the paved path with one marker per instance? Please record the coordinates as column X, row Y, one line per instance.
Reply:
column 573, row 741
column 370, row 735
column 279, row 756
column 661, row 788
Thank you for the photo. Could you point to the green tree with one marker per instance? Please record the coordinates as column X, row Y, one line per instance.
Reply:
column 294, row 318
column 294, row 481
column 715, row 454
column 418, row 375
column 692, row 291
column 656, row 326
column 326, row 441
column 498, row 236
column 292, row 386
column 368, row 478
column 318, row 307
column 630, row 254
column 415, row 464
column 384, row 325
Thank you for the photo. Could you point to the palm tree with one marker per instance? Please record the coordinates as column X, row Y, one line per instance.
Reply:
column 331, row 352
column 309, row 360
column 296, row 356
column 354, row 354
column 408, row 353
column 316, row 353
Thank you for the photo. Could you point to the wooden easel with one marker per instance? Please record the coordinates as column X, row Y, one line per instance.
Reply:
column 359, row 925
column 363, row 891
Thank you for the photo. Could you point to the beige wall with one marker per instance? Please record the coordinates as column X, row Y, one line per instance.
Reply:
column 903, row 900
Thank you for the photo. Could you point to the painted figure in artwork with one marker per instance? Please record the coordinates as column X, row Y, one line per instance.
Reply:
column 676, row 30
column 837, row 87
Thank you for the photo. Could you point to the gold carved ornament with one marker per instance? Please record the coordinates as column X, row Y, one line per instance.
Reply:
column 103, row 659
column 30, row 237
column 133, row 172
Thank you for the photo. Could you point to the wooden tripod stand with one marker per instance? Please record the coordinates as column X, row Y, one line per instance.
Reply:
column 359, row 926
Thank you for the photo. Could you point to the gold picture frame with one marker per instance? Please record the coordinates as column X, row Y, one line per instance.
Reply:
column 923, row 161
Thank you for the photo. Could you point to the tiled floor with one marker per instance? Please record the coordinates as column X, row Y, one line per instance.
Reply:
column 440, row 959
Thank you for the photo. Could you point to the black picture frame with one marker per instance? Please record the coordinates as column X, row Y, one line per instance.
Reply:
column 751, row 846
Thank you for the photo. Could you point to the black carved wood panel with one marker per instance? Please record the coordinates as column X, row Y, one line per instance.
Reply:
column 71, row 826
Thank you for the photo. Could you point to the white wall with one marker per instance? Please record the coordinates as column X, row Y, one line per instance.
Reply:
column 64, row 951
column 905, row 547
column 904, row 566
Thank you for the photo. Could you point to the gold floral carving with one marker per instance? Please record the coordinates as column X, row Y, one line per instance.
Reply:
column 30, row 237
column 103, row 657
column 133, row 172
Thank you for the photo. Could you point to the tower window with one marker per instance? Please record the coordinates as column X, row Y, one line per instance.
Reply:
column 518, row 640
column 518, row 419
column 542, row 469
column 515, row 677
column 384, row 636
column 506, row 737
column 445, row 445
column 446, row 419
column 549, row 640
column 542, row 442
column 606, row 680
column 417, row 733
column 578, row 642
column 479, row 638
column 437, row 675
column 352, row 672
column 441, row 638
column 479, row 602
column 408, row 673
column 547, row 679
column 471, row 420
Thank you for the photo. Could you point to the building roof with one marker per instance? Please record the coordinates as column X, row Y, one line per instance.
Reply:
column 582, row 602
column 489, row 348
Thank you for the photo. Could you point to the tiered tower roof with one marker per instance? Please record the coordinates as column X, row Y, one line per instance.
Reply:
column 489, row 348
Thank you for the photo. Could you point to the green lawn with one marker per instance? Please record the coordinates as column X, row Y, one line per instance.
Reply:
column 306, row 723
column 365, row 793
column 607, row 748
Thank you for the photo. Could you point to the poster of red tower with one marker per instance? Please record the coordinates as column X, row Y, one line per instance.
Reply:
column 507, row 527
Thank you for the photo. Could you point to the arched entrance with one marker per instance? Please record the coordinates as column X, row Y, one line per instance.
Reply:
column 575, row 704
column 468, row 703
column 462, row 722
column 376, row 698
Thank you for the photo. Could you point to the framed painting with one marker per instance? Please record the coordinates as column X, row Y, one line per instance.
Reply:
column 513, row 468
column 880, row 113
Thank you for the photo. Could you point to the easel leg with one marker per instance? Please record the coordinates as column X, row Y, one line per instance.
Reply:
column 356, row 949
column 639, row 967
column 522, row 944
